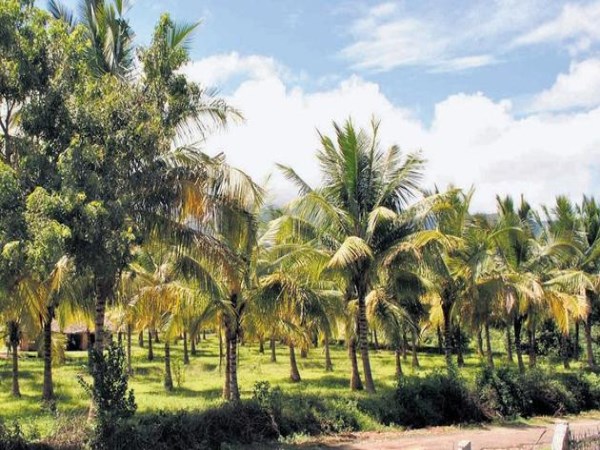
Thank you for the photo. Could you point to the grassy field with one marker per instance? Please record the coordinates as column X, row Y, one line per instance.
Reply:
column 201, row 387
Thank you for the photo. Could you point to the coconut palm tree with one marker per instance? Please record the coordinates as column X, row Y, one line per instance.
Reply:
column 112, row 49
column 357, row 211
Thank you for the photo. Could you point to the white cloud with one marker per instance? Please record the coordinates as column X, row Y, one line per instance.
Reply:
column 472, row 139
column 389, row 35
column 218, row 69
column 579, row 88
column 576, row 25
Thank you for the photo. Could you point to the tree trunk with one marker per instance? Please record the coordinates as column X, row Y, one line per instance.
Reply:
column 231, row 336
column 509, row 347
column 363, row 334
column 531, row 342
column 303, row 352
column 141, row 339
column 415, row 357
column 328, row 363
column 168, row 376
column 397, row 352
column 120, row 337
column 518, row 322
column 479, row 343
column 100, row 313
column 193, row 349
column 294, row 373
column 355, row 382
column 48, row 388
column 204, row 334
column 14, row 338
column 261, row 345
column 150, row 347
column 272, row 344
column 488, row 344
column 129, row 333
column 234, row 392
column 16, row 391
column 375, row 340
column 404, row 345
column 587, row 330
column 576, row 352
column 186, row 355
column 440, row 341
column 459, row 348
column 564, row 347
column 156, row 339
column 447, row 334
column 221, row 356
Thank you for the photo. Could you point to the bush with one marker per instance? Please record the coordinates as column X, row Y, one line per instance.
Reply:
column 507, row 393
column 12, row 437
column 439, row 399
column 308, row 414
column 238, row 423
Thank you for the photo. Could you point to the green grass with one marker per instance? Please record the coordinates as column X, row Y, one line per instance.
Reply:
column 201, row 388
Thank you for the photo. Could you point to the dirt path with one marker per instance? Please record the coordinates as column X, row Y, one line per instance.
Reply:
column 446, row 438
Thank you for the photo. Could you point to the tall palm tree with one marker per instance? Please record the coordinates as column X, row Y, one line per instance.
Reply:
column 111, row 37
column 357, row 213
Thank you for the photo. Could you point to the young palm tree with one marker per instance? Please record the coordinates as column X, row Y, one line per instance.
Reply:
column 357, row 212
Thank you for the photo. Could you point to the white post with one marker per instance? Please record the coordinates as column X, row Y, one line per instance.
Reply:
column 560, row 440
column 464, row 445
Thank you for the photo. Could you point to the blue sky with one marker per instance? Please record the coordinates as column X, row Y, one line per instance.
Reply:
column 502, row 94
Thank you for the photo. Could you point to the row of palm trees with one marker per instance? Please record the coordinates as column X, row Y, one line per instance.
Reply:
column 366, row 255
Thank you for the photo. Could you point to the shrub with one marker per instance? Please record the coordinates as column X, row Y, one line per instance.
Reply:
column 439, row 399
column 500, row 392
column 237, row 423
column 111, row 397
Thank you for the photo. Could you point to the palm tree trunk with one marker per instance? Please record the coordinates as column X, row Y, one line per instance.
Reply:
column 415, row 357
column 100, row 313
column 141, row 339
column 150, row 347
column 156, row 339
column 168, row 376
column 587, row 330
column 303, row 352
column 231, row 336
column 447, row 334
column 518, row 322
column 328, row 363
column 440, row 340
column 488, row 344
column 261, row 345
column 16, row 391
column 294, row 373
column 129, row 333
column 193, row 350
column 48, row 388
column 355, row 382
column 14, row 338
column 221, row 356
column 404, row 345
column 459, row 348
column 273, row 349
column 531, row 342
column 234, row 392
column 576, row 352
column 186, row 355
column 509, row 347
column 375, row 340
column 564, row 349
column 397, row 352
column 363, row 334
column 479, row 343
